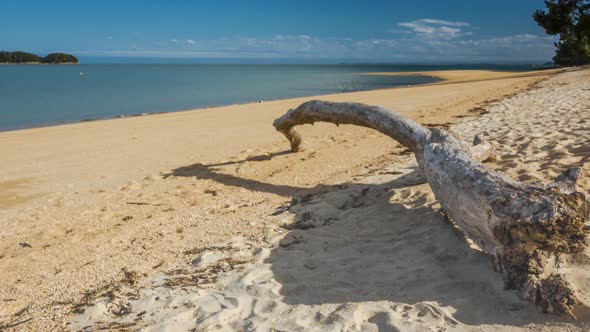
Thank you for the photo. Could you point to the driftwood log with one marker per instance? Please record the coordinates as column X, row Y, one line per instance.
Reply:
column 525, row 227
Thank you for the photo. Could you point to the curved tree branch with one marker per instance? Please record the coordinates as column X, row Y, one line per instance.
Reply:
column 403, row 130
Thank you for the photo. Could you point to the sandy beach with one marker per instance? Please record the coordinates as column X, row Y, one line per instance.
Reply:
column 204, row 220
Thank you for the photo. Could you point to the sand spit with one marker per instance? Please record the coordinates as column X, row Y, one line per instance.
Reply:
column 100, row 211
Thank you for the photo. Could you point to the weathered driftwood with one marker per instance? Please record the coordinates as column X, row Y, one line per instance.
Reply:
column 524, row 226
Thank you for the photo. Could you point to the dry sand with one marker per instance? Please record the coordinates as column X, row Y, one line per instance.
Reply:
column 107, row 208
column 463, row 76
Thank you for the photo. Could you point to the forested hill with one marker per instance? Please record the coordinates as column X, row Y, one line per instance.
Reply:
column 24, row 57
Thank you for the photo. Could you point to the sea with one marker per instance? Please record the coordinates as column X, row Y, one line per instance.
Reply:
column 45, row 95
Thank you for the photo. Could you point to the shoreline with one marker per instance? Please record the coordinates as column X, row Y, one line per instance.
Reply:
column 124, row 116
column 37, row 63
column 123, row 123
column 457, row 76
column 96, row 202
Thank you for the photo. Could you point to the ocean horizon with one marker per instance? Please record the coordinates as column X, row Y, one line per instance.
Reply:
column 45, row 95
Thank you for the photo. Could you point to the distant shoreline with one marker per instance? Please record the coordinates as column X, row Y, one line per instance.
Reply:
column 38, row 63
column 18, row 57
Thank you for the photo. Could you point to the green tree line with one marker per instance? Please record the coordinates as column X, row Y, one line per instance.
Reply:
column 570, row 19
column 24, row 57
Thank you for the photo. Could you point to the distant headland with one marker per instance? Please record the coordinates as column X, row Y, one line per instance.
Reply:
column 29, row 58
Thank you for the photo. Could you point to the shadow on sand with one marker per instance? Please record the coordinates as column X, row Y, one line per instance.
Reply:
column 355, row 243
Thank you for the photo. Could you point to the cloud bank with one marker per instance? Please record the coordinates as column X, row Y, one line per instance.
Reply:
column 424, row 40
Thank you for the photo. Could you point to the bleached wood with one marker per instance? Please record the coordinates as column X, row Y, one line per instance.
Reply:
column 524, row 226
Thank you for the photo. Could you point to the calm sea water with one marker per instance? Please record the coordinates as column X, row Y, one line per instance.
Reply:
column 32, row 96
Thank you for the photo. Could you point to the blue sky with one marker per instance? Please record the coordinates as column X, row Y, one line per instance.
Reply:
column 417, row 31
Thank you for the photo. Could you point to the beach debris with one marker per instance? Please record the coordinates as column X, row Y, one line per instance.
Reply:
column 198, row 250
column 205, row 272
column 129, row 277
column 25, row 245
column 144, row 203
column 109, row 292
column 525, row 227
column 120, row 308
column 211, row 192
column 112, row 326
column 160, row 263
column 4, row 326
column 127, row 218
column 285, row 207
column 280, row 210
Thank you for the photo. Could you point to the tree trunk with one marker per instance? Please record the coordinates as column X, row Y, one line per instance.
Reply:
column 524, row 226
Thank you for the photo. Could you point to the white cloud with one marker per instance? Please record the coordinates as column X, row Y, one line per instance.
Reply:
column 185, row 42
column 424, row 40
column 443, row 22
column 439, row 29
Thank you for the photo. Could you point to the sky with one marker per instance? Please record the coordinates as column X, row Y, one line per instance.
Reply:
column 279, row 31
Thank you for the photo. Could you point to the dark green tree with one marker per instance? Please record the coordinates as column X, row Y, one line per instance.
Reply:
column 4, row 57
column 18, row 57
column 570, row 19
column 23, row 57
column 60, row 58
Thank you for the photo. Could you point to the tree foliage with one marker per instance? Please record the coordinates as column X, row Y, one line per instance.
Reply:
column 23, row 57
column 18, row 57
column 60, row 58
column 570, row 19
